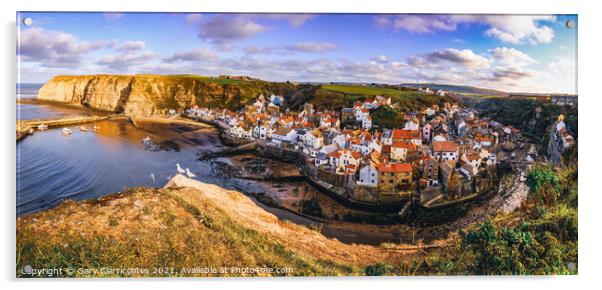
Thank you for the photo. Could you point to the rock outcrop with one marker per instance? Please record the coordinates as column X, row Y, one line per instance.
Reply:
column 148, row 95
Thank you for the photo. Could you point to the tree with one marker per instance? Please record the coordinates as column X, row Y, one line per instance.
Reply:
column 544, row 184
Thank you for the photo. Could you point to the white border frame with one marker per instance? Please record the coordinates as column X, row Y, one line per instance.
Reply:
column 589, row 101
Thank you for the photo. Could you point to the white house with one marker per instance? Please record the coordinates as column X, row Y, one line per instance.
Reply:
column 426, row 132
column 361, row 114
column 367, row 123
column 247, row 133
column 321, row 159
column 473, row 158
column 334, row 158
column 314, row 139
column 445, row 150
column 368, row 176
column 284, row 135
column 351, row 157
column 361, row 146
column 387, row 137
column 375, row 146
column 236, row 132
column 399, row 150
column 260, row 131
column 411, row 125
column 340, row 140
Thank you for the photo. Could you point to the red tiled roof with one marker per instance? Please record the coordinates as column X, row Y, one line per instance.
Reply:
column 396, row 167
column 386, row 149
column 406, row 134
column 444, row 146
column 407, row 145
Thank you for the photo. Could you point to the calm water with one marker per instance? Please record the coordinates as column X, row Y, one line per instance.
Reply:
column 28, row 109
column 52, row 167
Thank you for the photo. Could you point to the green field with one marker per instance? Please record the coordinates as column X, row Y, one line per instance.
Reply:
column 342, row 95
column 216, row 79
column 368, row 91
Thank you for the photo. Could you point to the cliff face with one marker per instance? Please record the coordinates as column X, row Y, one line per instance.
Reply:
column 147, row 95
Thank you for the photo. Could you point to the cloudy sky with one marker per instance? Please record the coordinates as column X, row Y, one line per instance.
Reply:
column 507, row 52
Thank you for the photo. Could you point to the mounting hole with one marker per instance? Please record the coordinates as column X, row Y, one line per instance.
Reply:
column 570, row 24
column 27, row 21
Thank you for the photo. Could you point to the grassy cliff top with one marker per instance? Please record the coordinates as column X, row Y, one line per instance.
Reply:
column 188, row 225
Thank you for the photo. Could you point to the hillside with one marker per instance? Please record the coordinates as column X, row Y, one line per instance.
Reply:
column 187, row 224
column 531, row 116
column 344, row 95
column 457, row 89
column 147, row 95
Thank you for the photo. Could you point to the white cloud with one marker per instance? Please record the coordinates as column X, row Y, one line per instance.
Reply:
column 519, row 29
column 225, row 29
column 126, row 60
column 54, row 48
column 511, row 73
column 252, row 49
column 295, row 20
column 312, row 47
column 565, row 67
column 193, row 19
column 197, row 54
column 380, row 58
column 398, row 65
column 508, row 28
column 464, row 57
column 132, row 45
column 511, row 56
column 416, row 23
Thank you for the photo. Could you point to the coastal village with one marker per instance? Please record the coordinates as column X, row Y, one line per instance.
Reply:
column 441, row 154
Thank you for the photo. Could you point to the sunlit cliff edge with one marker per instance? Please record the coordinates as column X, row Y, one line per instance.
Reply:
column 186, row 225
column 146, row 95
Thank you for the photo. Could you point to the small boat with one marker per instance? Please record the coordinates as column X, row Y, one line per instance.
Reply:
column 146, row 139
column 67, row 131
column 95, row 128
column 83, row 129
column 42, row 127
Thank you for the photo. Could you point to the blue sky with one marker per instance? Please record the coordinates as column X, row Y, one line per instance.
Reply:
column 516, row 53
